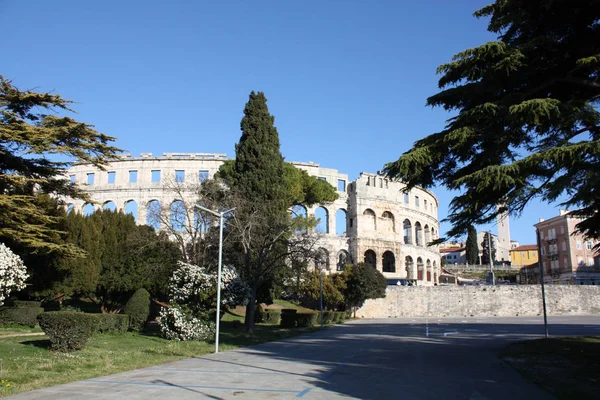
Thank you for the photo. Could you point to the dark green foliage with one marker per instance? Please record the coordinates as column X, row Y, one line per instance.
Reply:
column 112, row 323
column 472, row 250
column 340, row 316
column 267, row 316
column 307, row 319
column 288, row 318
column 527, row 122
column 25, row 303
column 328, row 317
column 310, row 293
column 485, row 249
column 362, row 282
column 138, row 308
column 68, row 331
column 20, row 316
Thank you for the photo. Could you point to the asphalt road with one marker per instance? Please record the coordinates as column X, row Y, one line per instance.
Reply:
column 408, row 358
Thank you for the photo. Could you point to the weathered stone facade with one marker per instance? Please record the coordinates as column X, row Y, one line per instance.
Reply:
column 482, row 301
column 371, row 221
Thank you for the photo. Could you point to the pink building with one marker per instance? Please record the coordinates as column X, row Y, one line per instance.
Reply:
column 566, row 256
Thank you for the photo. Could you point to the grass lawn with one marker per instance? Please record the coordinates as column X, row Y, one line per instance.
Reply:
column 17, row 329
column 27, row 364
column 567, row 367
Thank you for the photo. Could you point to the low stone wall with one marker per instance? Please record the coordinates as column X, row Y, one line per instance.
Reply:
column 478, row 301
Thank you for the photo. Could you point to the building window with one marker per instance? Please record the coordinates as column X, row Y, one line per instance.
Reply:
column 341, row 185
column 542, row 235
column 565, row 263
column 588, row 245
column 179, row 175
column 533, row 254
column 132, row 176
column 405, row 198
column 522, row 254
column 578, row 245
column 111, row 177
column 590, row 261
column 72, row 178
column 562, row 229
column 564, row 245
column 202, row 176
column 90, row 178
column 417, row 201
column 425, row 204
column 156, row 175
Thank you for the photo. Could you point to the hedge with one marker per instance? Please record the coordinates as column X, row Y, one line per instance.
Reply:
column 138, row 308
column 307, row 319
column 288, row 318
column 20, row 316
column 339, row 317
column 68, row 330
column 267, row 316
column 112, row 323
column 328, row 317
column 27, row 304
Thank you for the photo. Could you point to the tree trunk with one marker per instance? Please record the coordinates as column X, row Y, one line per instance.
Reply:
column 250, row 309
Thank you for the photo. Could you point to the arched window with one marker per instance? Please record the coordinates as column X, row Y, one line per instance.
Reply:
column 369, row 219
column 389, row 262
column 341, row 221
column 427, row 234
column 408, row 236
column 88, row 209
column 409, row 264
column 322, row 259
column 299, row 212
column 371, row 258
column 109, row 205
column 322, row 216
column 343, row 259
column 434, row 272
column 418, row 234
column 202, row 221
column 153, row 214
column 428, row 263
column 178, row 215
column 131, row 207
column 387, row 222
column 70, row 208
column 433, row 234
column 420, row 268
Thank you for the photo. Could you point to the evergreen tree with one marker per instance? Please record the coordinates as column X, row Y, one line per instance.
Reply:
column 28, row 134
column 472, row 250
column 528, row 123
column 485, row 248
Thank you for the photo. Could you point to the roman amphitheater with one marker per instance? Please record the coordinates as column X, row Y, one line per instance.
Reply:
column 371, row 221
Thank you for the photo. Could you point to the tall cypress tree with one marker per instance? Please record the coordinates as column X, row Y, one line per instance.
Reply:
column 472, row 251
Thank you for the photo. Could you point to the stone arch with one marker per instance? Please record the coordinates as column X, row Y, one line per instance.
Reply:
column 410, row 267
column 388, row 222
column 428, row 264
column 427, row 232
column 300, row 212
column 322, row 216
column 70, row 207
column 369, row 217
column 202, row 221
column 389, row 262
column 371, row 258
column 420, row 268
column 433, row 233
column 87, row 209
column 341, row 222
column 343, row 258
column 418, row 234
column 109, row 205
column 434, row 272
column 153, row 214
column 177, row 215
column 131, row 207
column 322, row 259
column 408, row 236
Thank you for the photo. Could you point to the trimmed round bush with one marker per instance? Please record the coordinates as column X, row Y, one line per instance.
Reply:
column 112, row 323
column 288, row 318
column 138, row 308
column 307, row 319
column 20, row 316
column 272, row 317
column 68, row 331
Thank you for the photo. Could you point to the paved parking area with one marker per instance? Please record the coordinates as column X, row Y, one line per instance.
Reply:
column 407, row 358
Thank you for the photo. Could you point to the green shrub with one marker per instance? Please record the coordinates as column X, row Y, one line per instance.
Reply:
column 68, row 330
column 348, row 314
column 138, row 308
column 20, row 316
column 112, row 323
column 288, row 318
column 27, row 304
column 307, row 319
column 272, row 317
column 327, row 317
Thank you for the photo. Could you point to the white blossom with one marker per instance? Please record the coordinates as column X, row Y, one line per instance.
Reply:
column 177, row 325
column 12, row 272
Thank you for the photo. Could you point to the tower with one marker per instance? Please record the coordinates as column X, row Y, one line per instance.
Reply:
column 503, row 245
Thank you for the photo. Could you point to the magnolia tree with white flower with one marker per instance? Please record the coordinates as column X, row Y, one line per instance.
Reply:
column 193, row 297
column 12, row 273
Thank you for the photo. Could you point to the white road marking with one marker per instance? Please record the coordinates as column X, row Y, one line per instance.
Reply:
column 471, row 330
column 450, row 333
column 426, row 327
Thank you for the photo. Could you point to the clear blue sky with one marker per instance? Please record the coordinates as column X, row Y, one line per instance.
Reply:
column 346, row 81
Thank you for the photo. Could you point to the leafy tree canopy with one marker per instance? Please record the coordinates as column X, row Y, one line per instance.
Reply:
column 30, row 131
column 527, row 122
column 472, row 250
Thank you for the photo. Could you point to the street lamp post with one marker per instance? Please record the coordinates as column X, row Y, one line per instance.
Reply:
column 321, row 289
column 218, row 318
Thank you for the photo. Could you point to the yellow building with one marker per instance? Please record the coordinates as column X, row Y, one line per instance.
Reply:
column 524, row 255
